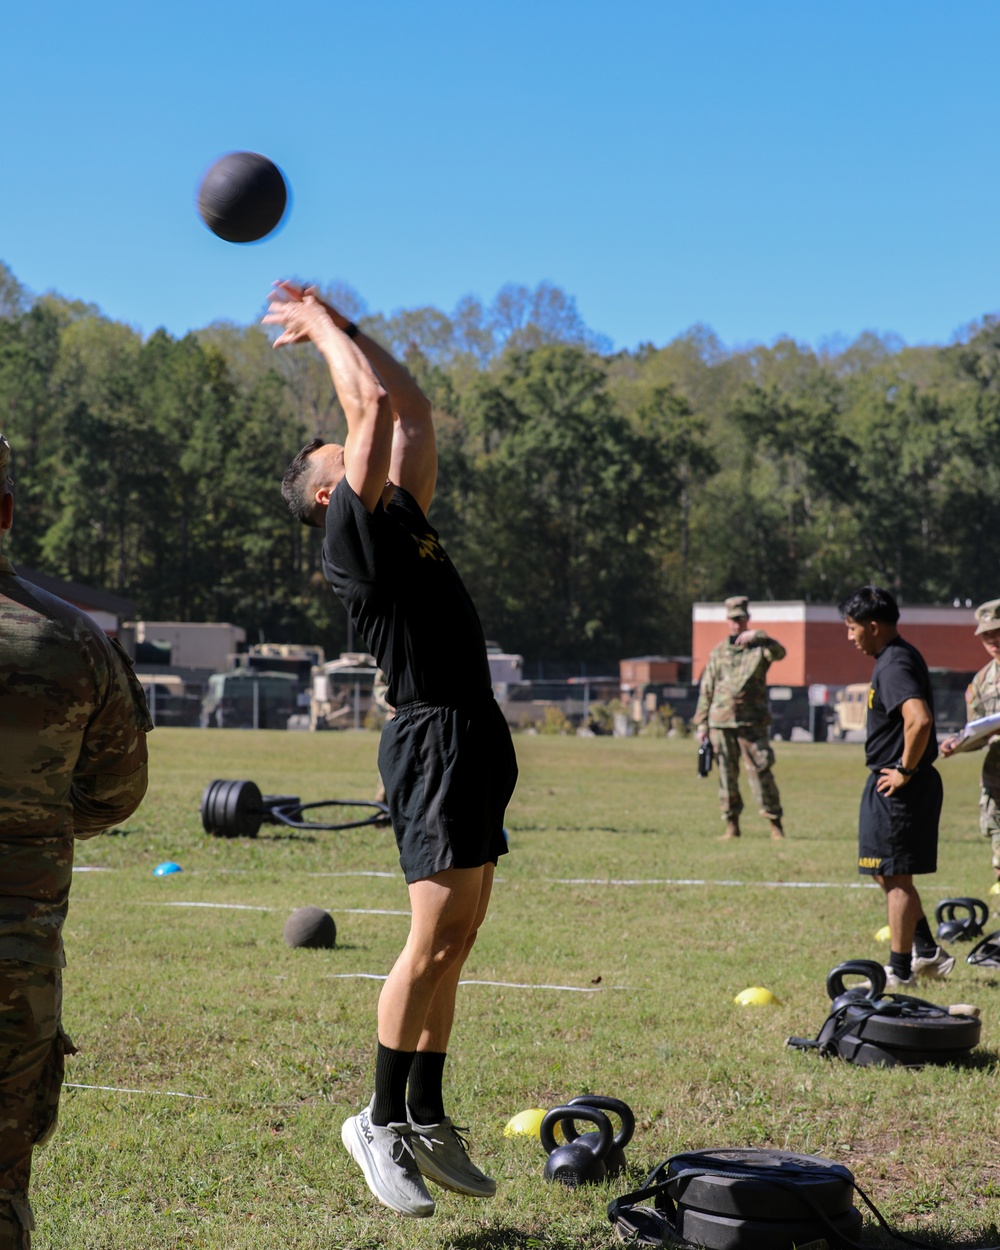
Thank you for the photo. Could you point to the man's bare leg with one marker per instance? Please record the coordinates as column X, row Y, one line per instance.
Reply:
column 417, row 1004
column 905, row 913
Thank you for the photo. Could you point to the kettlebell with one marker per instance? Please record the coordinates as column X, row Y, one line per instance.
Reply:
column 575, row 1163
column 952, row 928
column 614, row 1160
column 840, row 996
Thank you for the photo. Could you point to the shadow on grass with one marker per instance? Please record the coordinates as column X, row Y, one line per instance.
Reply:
column 287, row 837
column 981, row 1060
column 505, row 1238
column 984, row 1237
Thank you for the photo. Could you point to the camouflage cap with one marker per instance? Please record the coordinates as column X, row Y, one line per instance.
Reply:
column 988, row 616
column 737, row 605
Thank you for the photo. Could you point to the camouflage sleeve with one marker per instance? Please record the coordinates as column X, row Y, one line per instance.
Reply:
column 705, row 692
column 772, row 649
column 109, row 780
column 974, row 705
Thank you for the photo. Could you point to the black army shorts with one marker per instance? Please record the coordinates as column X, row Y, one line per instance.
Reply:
column 448, row 773
column 899, row 835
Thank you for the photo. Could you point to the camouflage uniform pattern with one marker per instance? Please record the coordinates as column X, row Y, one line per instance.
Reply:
column 983, row 699
column 32, row 1053
column 733, row 704
column 73, row 725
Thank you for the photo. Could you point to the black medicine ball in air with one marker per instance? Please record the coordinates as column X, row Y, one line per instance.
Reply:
column 310, row 926
column 242, row 197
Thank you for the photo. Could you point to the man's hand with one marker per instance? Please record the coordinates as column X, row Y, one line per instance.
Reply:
column 747, row 638
column 947, row 747
column 889, row 781
column 702, row 735
column 302, row 315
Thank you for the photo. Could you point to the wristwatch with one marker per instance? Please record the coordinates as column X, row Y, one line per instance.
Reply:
column 907, row 772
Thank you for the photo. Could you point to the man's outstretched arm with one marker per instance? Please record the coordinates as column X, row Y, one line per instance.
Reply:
column 368, row 446
column 413, row 462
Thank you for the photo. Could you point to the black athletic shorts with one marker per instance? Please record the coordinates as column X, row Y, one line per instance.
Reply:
column 448, row 773
column 899, row 835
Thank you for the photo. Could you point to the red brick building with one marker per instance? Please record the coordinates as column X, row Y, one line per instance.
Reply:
column 815, row 639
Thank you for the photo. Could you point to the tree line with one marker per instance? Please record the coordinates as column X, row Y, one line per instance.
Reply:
column 588, row 497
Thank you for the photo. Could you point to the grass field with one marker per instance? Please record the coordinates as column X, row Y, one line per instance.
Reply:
column 227, row 1062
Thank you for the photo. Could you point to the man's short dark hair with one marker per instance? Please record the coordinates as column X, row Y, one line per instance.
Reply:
column 295, row 486
column 870, row 603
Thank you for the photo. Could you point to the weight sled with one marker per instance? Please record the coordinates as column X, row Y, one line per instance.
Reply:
column 742, row 1199
column 869, row 1027
column 986, row 954
column 237, row 809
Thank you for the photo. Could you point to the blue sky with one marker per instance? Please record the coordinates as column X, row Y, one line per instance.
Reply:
column 761, row 167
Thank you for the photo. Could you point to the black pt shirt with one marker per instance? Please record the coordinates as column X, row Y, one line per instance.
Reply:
column 406, row 599
column 900, row 674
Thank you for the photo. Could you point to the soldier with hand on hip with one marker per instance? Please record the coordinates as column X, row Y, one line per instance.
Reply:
column 733, row 711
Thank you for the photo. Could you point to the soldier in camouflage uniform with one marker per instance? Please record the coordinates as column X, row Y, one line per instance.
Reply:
column 733, row 711
column 983, row 699
column 72, row 763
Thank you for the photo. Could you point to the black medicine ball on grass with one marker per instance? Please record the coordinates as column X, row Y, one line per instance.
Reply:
column 310, row 926
column 243, row 197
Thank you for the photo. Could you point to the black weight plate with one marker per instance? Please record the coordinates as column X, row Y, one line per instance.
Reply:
column 218, row 815
column 207, row 800
column 919, row 1058
column 922, row 1032
column 725, row 1232
column 243, row 809
column 829, row 1185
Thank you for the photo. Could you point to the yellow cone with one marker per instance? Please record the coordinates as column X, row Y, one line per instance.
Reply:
column 882, row 935
column 995, row 887
column 755, row 996
column 527, row 1124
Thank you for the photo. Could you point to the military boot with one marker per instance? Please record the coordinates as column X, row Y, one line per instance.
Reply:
column 776, row 829
column 732, row 829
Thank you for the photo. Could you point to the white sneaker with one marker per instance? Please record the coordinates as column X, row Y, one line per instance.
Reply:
column 893, row 982
column 385, row 1155
column 442, row 1156
column 937, row 965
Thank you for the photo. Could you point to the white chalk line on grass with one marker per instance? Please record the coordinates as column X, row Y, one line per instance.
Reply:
column 117, row 1089
column 764, row 885
column 506, row 985
column 353, row 911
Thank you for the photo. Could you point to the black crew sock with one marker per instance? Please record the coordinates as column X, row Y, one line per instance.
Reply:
column 392, row 1067
column 901, row 964
column 424, row 1098
column 923, row 939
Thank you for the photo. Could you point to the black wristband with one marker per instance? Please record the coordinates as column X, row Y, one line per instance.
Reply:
column 907, row 772
column 351, row 330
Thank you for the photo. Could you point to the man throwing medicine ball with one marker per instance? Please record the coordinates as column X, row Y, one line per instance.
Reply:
column 446, row 758
column 901, row 802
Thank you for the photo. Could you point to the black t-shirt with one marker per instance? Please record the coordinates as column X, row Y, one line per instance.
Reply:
column 900, row 674
column 406, row 599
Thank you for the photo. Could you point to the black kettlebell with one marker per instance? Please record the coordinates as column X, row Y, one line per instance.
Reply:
column 575, row 1163
column 955, row 928
column 614, row 1160
column 874, row 972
